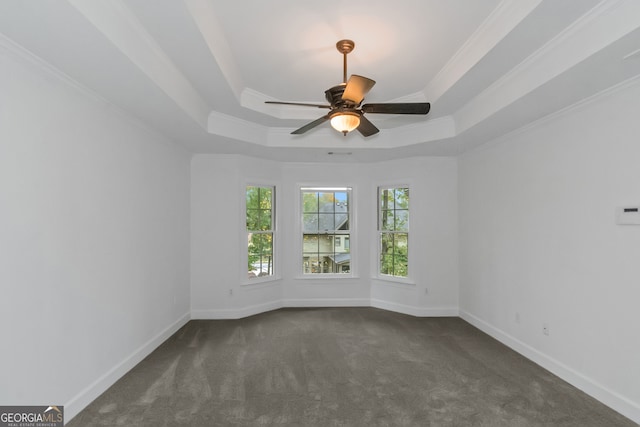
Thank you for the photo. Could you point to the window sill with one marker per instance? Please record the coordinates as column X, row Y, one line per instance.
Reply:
column 326, row 277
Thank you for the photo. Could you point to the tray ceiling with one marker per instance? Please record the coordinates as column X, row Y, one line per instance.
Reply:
column 199, row 71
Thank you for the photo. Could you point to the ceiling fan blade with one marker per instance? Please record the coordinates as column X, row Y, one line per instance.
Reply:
column 357, row 88
column 303, row 104
column 311, row 125
column 398, row 108
column 367, row 128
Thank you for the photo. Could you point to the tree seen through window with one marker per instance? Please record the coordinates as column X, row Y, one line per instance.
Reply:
column 393, row 226
column 260, row 229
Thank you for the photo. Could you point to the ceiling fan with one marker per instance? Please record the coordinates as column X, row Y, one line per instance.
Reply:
column 345, row 110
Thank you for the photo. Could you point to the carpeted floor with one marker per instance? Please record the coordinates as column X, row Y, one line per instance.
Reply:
column 340, row 367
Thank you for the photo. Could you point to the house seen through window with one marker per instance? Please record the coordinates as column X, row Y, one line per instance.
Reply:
column 326, row 230
column 260, row 213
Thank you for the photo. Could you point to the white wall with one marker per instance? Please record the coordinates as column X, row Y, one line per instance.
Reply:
column 298, row 291
column 539, row 245
column 433, row 237
column 218, row 237
column 219, row 287
column 94, row 240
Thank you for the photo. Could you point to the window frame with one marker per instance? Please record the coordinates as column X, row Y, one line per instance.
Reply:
column 379, row 231
column 299, row 266
column 275, row 263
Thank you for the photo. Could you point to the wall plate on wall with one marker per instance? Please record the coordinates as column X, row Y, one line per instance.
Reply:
column 628, row 215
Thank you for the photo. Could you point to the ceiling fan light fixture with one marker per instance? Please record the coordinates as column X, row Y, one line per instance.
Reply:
column 345, row 121
column 345, row 110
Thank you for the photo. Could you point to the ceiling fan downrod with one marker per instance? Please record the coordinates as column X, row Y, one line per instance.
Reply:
column 345, row 47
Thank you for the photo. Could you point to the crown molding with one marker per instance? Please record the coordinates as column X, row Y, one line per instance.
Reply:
column 495, row 27
column 15, row 52
column 11, row 49
column 598, row 28
column 594, row 99
column 235, row 128
column 204, row 15
column 122, row 28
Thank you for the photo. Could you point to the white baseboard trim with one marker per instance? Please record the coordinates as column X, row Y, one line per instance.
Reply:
column 239, row 313
column 235, row 313
column 415, row 311
column 99, row 386
column 610, row 398
column 327, row 302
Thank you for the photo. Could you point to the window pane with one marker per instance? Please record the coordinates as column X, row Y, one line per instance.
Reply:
column 309, row 222
column 326, row 202
column 325, row 211
column 325, row 243
column 342, row 200
column 252, row 219
column 386, row 243
column 326, row 222
column 342, row 247
column 401, row 220
column 310, row 243
column 260, row 255
column 386, row 264
column 260, row 245
column 310, row 202
column 342, row 221
column 400, row 252
column 265, row 198
column 401, row 198
column 252, row 198
column 313, row 264
column 387, row 221
column 386, row 198
column 265, row 219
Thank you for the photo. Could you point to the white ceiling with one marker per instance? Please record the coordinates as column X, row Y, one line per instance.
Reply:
column 199, row 71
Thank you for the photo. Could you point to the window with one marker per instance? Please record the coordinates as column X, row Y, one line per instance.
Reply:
column 393, row 228
column 260, row 230
column 325, row 230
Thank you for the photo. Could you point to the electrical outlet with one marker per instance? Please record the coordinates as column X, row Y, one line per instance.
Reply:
column 545, row 329
column 230, row 292
column 426, row 291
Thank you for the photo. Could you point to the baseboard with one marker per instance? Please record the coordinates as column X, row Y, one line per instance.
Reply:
column 90, row 393
column 327, row 302
column 235, row 313
column 415, row 311
column 239, row 313
column 610, row 398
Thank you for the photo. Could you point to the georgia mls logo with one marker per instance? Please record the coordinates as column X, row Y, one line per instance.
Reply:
column 53, row 408
column 31, row 416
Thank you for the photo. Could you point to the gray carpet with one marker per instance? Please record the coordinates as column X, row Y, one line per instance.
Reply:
column 340, row 367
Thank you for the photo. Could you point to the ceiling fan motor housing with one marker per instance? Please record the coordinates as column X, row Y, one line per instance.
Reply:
column 334, row 97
